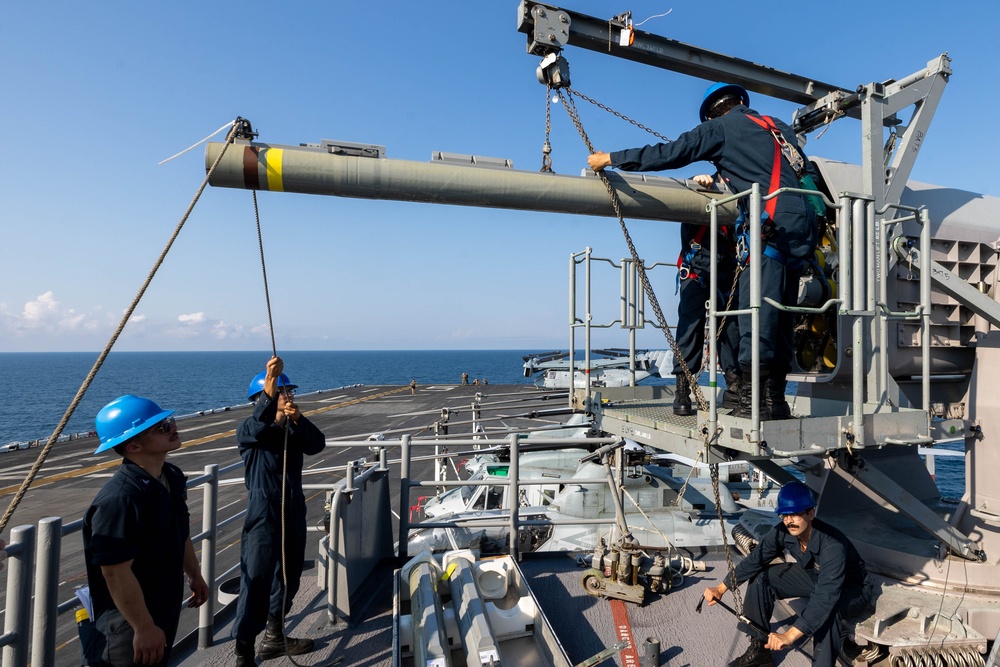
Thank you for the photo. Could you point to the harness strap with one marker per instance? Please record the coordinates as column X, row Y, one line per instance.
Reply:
column 769, row 125
column 685, row 256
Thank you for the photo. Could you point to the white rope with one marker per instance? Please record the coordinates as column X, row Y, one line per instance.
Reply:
column 666, row 541
column 224, row 127
column 655, row 16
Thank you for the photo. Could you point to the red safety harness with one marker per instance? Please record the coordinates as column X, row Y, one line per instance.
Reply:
column 780, row 146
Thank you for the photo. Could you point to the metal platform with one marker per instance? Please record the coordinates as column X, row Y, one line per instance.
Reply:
column 645, row 414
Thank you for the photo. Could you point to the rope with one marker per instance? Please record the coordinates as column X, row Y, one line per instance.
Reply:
column 646, row 286
column 680, row 494
column 284, row 456
column 666, row 541
column 42, row 455
column 195, row 145
column 263, row 270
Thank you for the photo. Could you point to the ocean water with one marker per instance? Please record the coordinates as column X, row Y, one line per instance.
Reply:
column 191, row 381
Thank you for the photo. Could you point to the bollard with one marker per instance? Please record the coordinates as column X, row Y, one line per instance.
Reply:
column 650, row 656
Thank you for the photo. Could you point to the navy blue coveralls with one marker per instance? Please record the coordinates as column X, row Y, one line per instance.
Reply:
column 694, row 279
column 830, row 573
column 743, row 153
column 262, row 446
column 135, row 517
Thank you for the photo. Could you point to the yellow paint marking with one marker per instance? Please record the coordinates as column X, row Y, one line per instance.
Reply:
column 273, row 158
column 81, row 472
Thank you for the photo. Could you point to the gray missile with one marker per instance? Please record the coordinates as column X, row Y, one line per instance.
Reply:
column 362, row 171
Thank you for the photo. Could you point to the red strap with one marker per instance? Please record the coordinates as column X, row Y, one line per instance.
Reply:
column 619, row 614
column 768, row 124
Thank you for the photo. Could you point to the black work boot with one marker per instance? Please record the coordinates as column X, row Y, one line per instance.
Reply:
column 756, row 656
column 731, row 395
column 745, row 408
column 275, row 641
column 774, row 397
column 682, row 397
column 244, row 653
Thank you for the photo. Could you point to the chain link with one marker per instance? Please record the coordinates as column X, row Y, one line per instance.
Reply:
column 713, row 469
column 616, row 113
column 648, row 289
column 547, row 147
column 641, row 269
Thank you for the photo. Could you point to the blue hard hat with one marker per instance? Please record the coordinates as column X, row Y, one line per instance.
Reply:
column 257, row 384
column 794, row 497
column 126, row 417
column 717, row 90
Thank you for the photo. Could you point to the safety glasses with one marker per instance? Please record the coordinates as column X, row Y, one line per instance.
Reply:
column 166, row 426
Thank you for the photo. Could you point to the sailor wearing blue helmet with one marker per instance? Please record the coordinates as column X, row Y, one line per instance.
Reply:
column 136, row 538
column 262, row 439
column 741, row 145
column 825, row 569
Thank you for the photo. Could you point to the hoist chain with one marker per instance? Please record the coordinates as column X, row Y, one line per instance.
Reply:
column 616, row 113
column 648, row 289
column 713, row 469
column 722, row 322
column 547, row 147
column 641, row 269
column 732, row 292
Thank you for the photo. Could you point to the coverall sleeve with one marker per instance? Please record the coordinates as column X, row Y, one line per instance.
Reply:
column 704, row 142
column 264, row 412
column 310, row 438
column 831, row 560
column 770, row 547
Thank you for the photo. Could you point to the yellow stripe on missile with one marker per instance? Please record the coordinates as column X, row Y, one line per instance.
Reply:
column 272, row 159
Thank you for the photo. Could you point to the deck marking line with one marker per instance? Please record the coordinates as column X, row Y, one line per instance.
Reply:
column 619, row 613
column 199, row 441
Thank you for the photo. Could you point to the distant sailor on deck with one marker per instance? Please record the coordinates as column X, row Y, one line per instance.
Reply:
column 262, row 439
column 827, row 571
column 136, row 538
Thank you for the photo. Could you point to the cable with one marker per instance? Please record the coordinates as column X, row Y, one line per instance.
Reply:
column 42, row 455
column 284, row 457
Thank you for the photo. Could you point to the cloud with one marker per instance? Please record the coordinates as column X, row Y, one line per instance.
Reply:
column 222, row 331
column 45, row 323
column 39, row 311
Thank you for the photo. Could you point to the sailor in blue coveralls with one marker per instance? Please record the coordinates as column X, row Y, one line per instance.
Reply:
column 744, row 153
column 825, row 569
column 263, row 600
column 136, row 539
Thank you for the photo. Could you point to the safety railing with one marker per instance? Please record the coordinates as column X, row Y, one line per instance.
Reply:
column 862, row 255
column 33, row 610
column 631, row 317
column 17, row 616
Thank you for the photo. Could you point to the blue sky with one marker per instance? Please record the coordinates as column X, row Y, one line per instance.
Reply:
column 96, row 94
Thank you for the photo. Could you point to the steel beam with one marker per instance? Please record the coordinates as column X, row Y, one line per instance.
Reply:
column 551, row 28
